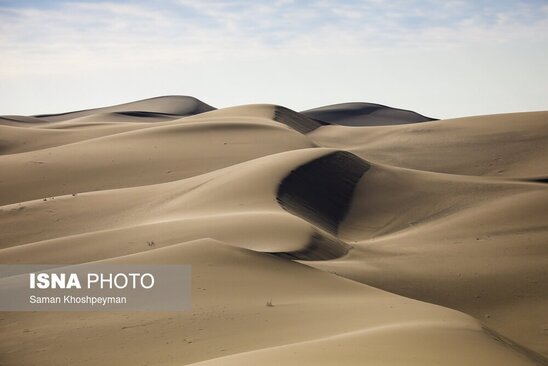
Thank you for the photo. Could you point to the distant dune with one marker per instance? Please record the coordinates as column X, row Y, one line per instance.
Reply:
column 364, row 114
column 175, row 105
column 377, row 235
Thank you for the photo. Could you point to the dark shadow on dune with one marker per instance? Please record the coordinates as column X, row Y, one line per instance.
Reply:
column 143, row 114
column 538, row 180
column 295, row 120
column 320, row 247
column 321, row 191
column 364, row 114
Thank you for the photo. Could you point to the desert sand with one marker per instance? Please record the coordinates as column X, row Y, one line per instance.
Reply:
column 379, row 236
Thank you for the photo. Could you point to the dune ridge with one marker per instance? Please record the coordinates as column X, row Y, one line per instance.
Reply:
column 343, row 218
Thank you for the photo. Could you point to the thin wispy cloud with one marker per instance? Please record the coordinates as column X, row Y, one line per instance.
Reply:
column 114, row 28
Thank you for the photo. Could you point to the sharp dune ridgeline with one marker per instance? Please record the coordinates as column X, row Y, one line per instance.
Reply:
column 375, row 235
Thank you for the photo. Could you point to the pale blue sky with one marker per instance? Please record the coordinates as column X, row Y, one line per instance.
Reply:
column 440, row 58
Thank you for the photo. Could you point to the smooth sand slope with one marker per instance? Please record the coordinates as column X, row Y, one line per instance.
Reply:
column 342, row 222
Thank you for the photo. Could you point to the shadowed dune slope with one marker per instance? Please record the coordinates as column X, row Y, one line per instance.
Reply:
column 297, row 121
column 321, row 190
column 364, row 114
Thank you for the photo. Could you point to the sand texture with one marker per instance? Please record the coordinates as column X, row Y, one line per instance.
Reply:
column 380, row 236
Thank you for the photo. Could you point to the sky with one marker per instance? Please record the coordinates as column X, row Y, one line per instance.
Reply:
column 442, row 59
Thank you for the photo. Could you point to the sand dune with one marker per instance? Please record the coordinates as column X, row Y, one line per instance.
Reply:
column 508, row 145
column 231, row 287
column 306, row 210
column 159, row 153
column 364, row 114
column 176, row 105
